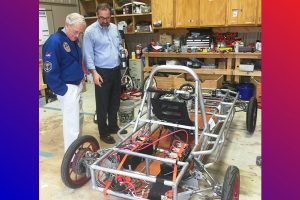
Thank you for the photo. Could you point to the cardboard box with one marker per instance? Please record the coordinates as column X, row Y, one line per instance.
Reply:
column 257, row 83
column 165, row 82
column 207, row 81
column 222, row 65
column 164, row 39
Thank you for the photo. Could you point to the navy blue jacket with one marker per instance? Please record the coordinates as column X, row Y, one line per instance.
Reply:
column 62, row 62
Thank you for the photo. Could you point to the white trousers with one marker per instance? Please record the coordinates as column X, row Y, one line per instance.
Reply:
column 71, row 106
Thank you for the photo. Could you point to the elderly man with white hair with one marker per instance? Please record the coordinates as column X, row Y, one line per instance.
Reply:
column 62, row 58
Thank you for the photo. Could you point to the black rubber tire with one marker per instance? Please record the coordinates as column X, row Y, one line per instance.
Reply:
column 251, row 115
column 67, row 165
column 231, row 185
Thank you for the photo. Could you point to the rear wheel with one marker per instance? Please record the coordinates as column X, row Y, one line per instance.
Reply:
column 251, row 115
column 73, row 167
column 231, row 185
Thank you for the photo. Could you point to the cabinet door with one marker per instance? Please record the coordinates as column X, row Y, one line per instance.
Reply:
column 248, row 12
column 259, row 12
column 187, row 13
column 242, row 12
column 163, row 11
column 212, row 12
column 234, row 9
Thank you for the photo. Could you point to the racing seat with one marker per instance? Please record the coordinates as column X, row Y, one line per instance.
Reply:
column 171, row 111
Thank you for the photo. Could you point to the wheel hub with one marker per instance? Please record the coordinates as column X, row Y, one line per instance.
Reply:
column 78, row 164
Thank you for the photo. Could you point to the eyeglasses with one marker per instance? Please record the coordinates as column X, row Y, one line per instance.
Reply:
column 104, row 18
column 76, row 33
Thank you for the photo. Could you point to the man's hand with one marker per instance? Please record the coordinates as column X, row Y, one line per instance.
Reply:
column 97, row 78
column 126, row 53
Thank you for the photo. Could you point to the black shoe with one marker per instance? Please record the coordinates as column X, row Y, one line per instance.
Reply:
column 115, row 130
column 108, row 139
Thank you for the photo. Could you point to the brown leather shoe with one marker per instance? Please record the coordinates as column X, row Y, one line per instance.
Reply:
column 108, row 139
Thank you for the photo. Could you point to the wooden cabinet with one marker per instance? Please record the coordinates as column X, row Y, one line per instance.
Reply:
column 163, row 11
column 241, row 12
column 187, row 13
column 259, row 12
column 132, row 18
column 213, row 12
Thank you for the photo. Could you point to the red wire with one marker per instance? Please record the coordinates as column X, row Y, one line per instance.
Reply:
column 180, row 130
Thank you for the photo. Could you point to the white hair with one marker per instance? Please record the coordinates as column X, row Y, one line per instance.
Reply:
column 75, row 18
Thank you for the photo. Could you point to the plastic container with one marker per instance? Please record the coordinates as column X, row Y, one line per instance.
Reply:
column 133, row 55
column 247, row 67
column 126, row 111
column 246, row 90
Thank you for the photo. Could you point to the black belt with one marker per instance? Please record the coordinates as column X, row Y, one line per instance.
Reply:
column 73, row 82
column 112, row 69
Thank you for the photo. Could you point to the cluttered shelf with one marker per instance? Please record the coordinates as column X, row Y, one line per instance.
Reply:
column 198, row 71
column 129, row 15
column 122, row 15
column 246, row 73
column 254, row 55
column 228, row 69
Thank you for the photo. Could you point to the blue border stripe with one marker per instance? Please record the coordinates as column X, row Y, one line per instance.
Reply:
column 58, row 109
column 45, row 154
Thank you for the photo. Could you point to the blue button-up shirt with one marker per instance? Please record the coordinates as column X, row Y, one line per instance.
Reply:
column 101, row 46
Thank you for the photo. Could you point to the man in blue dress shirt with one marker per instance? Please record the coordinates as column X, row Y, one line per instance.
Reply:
column 62, row 58
column 102, row 46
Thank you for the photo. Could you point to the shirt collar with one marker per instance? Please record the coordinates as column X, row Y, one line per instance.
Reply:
column 64, row 30
column 101, row 27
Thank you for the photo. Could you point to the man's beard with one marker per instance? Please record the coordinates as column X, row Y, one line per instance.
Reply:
column 105, row 24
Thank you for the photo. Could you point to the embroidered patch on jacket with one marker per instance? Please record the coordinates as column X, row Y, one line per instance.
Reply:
column 47, row 66
column 48, row 54
column 67, row 47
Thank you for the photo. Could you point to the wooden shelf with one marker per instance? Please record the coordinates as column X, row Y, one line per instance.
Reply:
column 130, row 15
column 131, row 33
column 242, row 73
column 88, row 18
column 255, row 55
column 197, row 71
column 231, row 58
column 134, row 18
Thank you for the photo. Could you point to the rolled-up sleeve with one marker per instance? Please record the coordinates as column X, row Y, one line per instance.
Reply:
column 88, row 50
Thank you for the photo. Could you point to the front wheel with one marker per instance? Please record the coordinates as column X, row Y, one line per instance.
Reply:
column 73, row 167
column 251, row 115
column 231, row 185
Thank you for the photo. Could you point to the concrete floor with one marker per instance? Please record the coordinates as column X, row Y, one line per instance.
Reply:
column 240, row 150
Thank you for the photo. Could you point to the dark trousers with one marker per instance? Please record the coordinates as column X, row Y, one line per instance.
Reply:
column 108, row 99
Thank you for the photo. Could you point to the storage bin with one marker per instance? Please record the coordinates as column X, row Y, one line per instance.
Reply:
column 246, row 90
column 247, row 67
